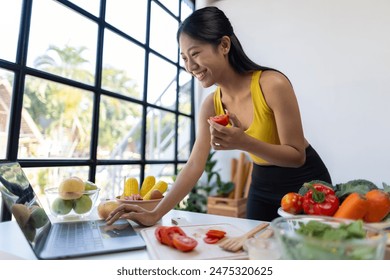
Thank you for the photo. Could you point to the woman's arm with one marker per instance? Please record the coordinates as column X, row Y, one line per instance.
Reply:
column 185, row 181
column 194, row 168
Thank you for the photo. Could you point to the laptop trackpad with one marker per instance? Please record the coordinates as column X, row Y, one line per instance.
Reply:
column 120, row 228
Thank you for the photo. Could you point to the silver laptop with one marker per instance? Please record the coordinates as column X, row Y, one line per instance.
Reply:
column 60, row 240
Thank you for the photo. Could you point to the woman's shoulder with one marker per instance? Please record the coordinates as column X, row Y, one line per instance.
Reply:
column 273, row 76
column 274, row 80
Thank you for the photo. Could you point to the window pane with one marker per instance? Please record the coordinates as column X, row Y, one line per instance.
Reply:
column 186, row 9
column 120, row 126
column 9, row 28
column 185, row 86
column 110, row 178
column 41, row 178
column 56, row 121
column 180, row 167
column 163, row 28
column 128, row 16
column 58, row 45
column 184, row 138
column 91, row 6
column 6, row 84
column 162, row 83
column 163, row 172
column 123, row 66
column 160, row 135
column 172, row 5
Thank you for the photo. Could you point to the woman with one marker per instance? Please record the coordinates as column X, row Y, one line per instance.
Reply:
column 264, row 121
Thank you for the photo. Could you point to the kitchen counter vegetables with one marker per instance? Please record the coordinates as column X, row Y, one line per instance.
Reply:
column 356, row 199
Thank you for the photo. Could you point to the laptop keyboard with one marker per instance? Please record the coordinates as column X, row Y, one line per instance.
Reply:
column 77, row 237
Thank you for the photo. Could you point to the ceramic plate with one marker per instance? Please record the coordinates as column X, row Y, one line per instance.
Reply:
column 283, row 213
column 383, row 225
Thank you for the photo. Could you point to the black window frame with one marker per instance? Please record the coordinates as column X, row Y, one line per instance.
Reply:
column 20, row 70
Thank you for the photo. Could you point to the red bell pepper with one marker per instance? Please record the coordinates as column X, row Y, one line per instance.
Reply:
column 320, row 200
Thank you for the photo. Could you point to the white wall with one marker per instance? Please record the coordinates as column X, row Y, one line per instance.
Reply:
column 337, row 55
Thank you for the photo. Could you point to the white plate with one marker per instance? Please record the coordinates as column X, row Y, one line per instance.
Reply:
column 283, row 213
column 381, row 225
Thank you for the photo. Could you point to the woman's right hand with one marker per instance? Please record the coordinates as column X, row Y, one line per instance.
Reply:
column 227, row 138
column 135, row 213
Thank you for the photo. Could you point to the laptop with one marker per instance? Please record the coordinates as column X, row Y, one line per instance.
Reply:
column 61, row 240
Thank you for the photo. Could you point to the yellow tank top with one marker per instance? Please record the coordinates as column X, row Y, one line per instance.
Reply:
column 263, row 126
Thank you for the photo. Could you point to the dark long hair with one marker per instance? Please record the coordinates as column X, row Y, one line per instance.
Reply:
column 209, row 25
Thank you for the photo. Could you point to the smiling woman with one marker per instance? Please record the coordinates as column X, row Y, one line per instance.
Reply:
column 263, row 113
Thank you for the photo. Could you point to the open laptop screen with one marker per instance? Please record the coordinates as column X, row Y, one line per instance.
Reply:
column 22, row 202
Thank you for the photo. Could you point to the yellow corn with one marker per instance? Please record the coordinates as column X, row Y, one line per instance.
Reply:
column 160, row 185
column 147, row 184
column 131, row 187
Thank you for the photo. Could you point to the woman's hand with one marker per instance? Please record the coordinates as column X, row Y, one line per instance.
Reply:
column 227, row 138
column 134, row 213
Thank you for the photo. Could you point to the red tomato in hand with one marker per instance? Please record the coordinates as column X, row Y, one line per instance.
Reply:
column 184, row 243
column 221, row 119
column 292, row 203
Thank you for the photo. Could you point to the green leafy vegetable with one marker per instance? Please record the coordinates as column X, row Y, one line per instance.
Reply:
column 329, row 241
column 386, row 187
column 361, row 186
column 327, row 232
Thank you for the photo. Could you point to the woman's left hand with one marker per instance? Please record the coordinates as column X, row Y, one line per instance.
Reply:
column 134, row 213
column 227, row 138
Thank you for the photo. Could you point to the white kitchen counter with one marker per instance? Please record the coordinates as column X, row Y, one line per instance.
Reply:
column 13, row 245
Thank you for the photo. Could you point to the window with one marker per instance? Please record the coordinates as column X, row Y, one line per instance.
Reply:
column 94, row 89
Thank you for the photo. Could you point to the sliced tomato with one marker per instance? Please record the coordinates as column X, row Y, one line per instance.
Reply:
column 184, row 243
column 158, row 232
column 167, row 234
column 211, row 240
column 215, row 233
column 221, row 119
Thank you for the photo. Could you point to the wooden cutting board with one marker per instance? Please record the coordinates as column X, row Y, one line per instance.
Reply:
column 203, row 251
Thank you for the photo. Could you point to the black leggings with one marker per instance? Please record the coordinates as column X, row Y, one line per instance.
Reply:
column 271, row 183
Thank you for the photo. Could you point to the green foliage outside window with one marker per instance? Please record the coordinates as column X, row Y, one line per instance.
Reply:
column 212, row 184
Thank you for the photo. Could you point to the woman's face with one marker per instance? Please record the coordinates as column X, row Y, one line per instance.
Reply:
column 204, row 61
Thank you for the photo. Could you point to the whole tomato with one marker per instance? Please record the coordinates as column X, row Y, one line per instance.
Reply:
column 292, row 203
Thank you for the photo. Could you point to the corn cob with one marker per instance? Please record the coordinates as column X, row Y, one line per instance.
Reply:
column 160, row 185
column 131, row 187
column 147, row 184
